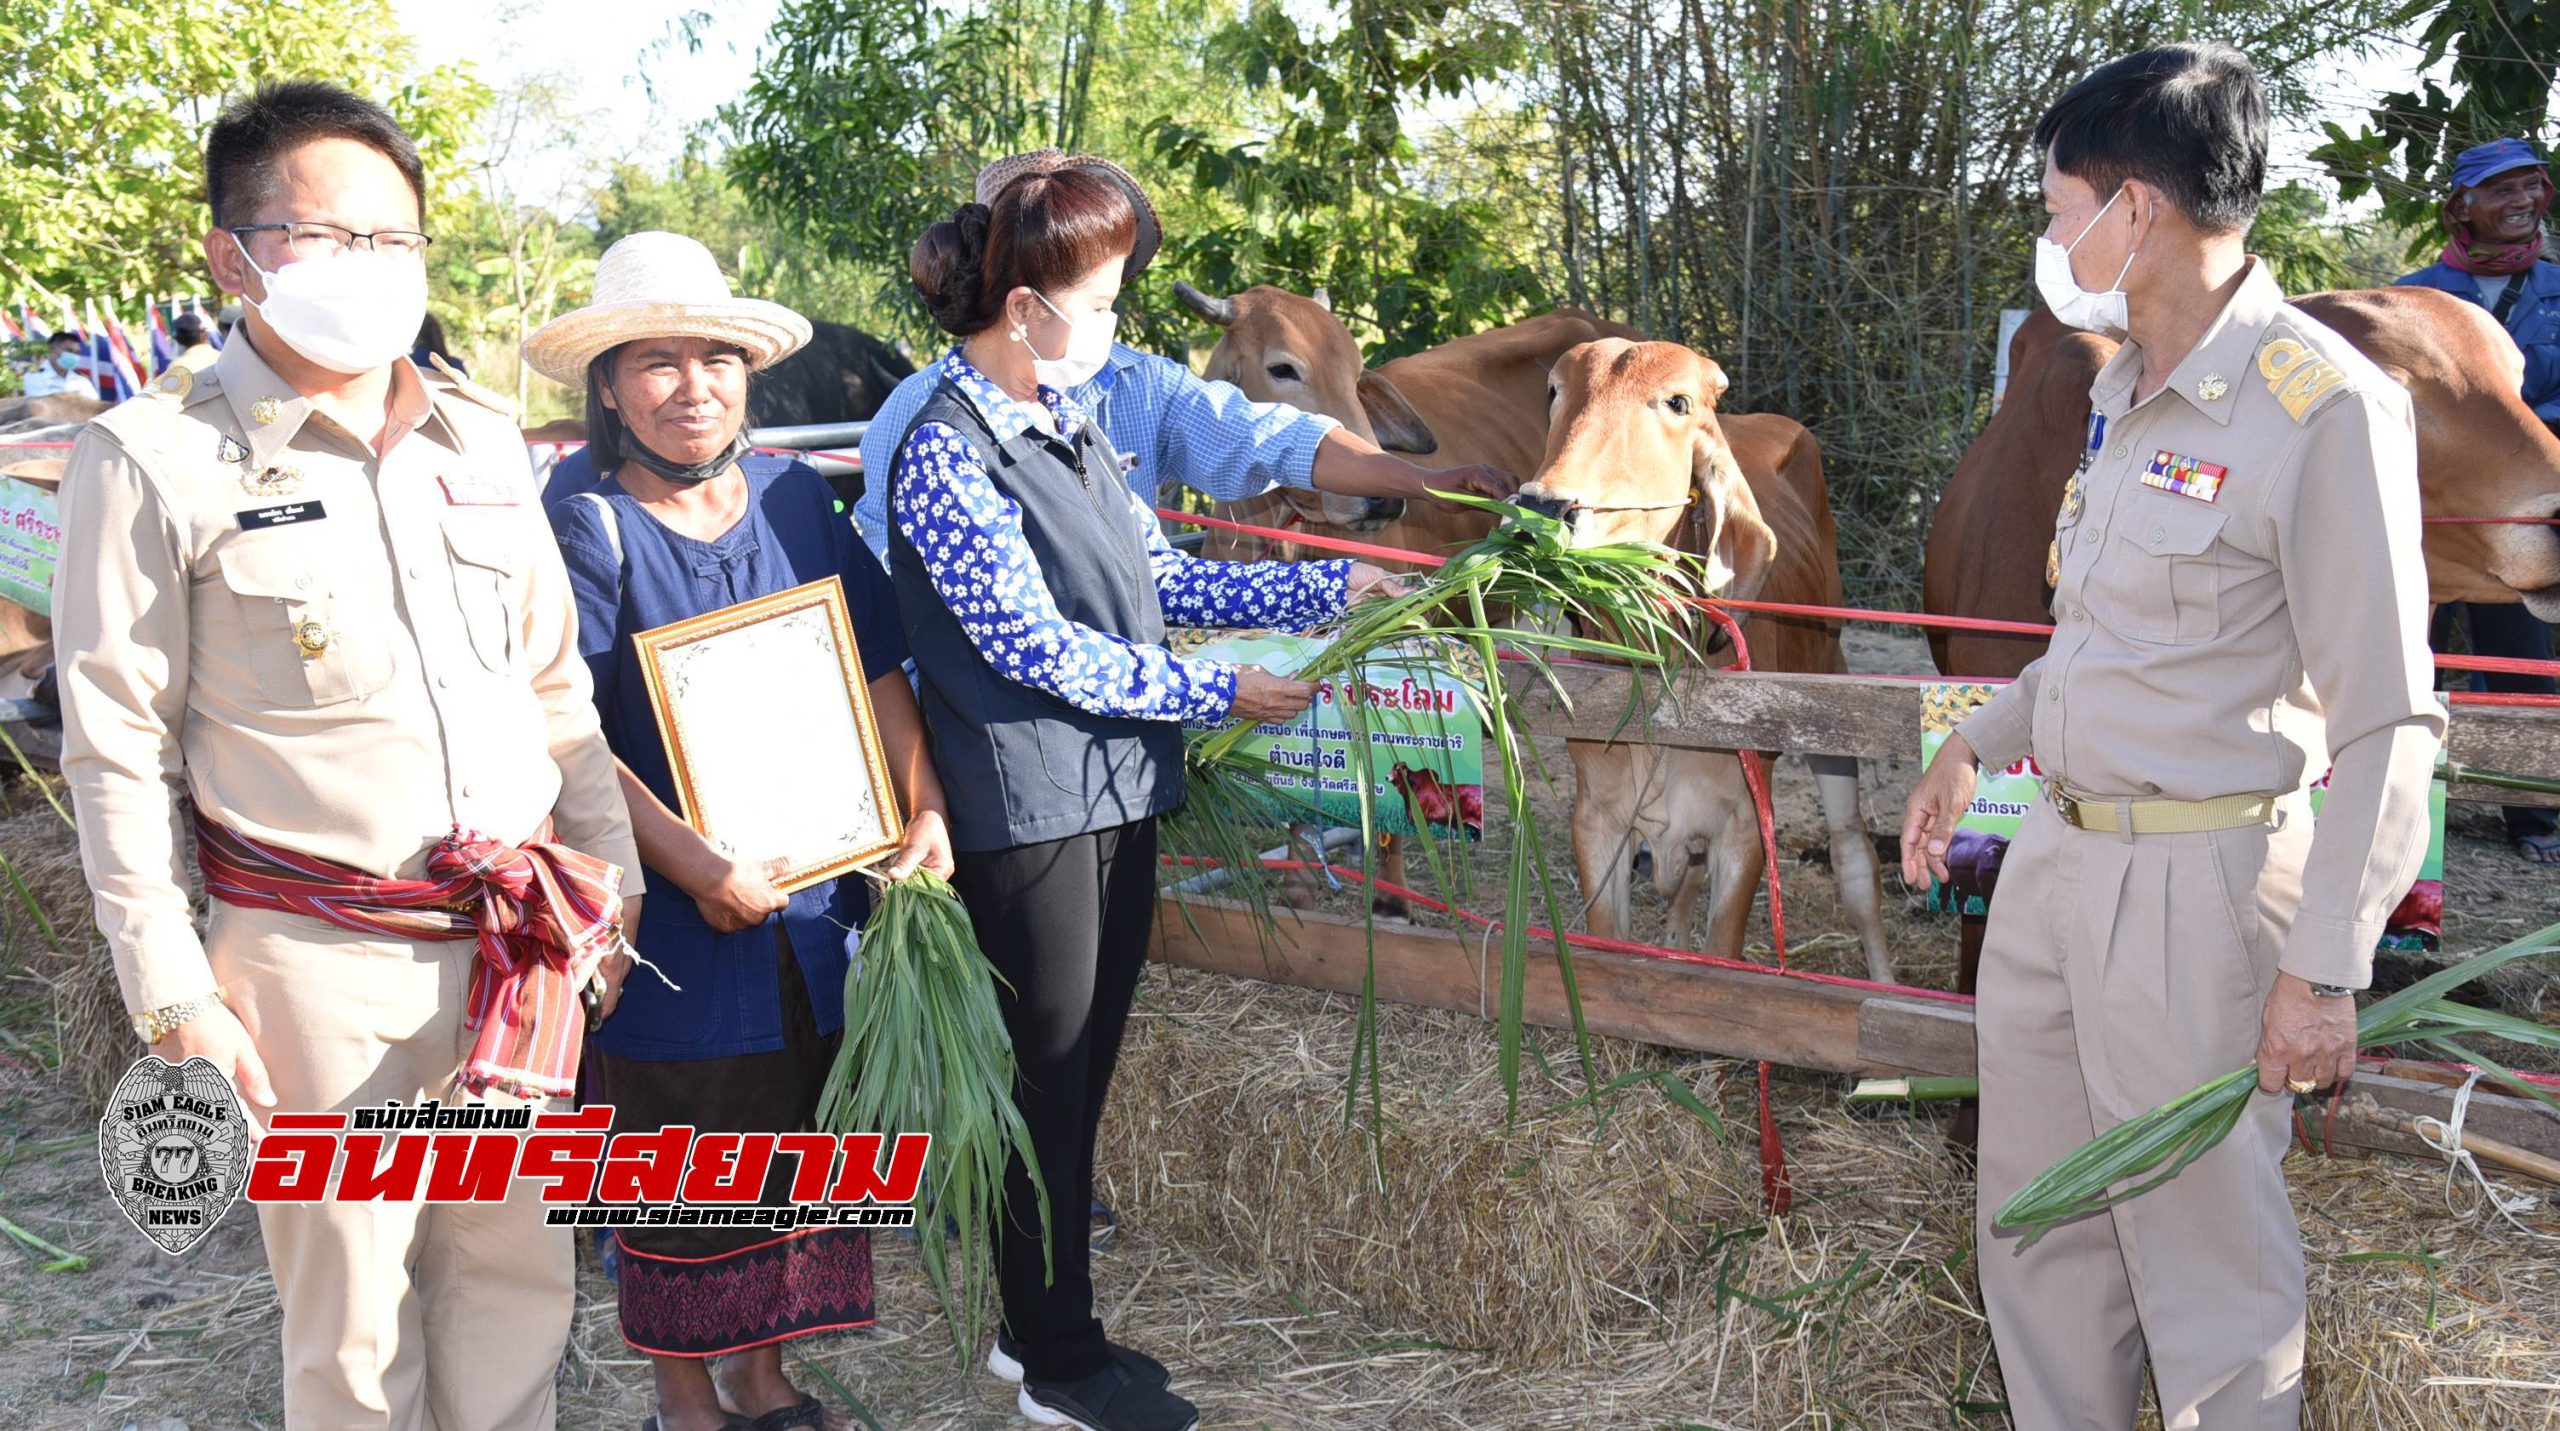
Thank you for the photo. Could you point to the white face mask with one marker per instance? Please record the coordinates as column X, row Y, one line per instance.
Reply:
column 1088, row 348
column 349, row 314
column 2074, row 305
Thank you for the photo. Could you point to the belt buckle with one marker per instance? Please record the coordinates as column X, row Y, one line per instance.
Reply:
column 2063, row 805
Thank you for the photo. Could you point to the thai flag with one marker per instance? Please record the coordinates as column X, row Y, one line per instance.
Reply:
column 34, row 325
column 112, row 358
column 212, row 329
column 8, row 329
column 164, row 349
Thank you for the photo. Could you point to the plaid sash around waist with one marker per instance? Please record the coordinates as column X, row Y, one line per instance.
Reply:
column 543, row 915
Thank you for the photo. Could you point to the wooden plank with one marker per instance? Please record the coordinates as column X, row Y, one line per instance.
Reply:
column 1869, row 717
column 1728, row 1012
column 1663, row 1001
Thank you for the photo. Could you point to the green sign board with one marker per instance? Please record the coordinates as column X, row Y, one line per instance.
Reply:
column 1424, row 748
column 30, row 544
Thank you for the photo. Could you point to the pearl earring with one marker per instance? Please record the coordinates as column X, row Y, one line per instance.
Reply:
column 1018, row 332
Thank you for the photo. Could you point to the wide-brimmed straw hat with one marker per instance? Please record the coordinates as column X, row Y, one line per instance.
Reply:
column 661, row 285
column 993, row 179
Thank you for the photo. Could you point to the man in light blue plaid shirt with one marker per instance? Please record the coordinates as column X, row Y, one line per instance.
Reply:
column 1173, row 425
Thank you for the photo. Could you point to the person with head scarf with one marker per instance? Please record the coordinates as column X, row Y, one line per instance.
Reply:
column 2497, row 254
column 683, row 519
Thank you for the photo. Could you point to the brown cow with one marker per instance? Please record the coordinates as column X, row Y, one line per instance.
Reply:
column 1635, row 436
column 2481, row 452
column 1477, row 399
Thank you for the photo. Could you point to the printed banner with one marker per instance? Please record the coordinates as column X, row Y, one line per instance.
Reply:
column 1425, row 749
column 2002, row 798
column 30, row 544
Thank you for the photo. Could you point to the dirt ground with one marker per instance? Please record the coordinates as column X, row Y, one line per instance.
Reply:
column 137, row 1336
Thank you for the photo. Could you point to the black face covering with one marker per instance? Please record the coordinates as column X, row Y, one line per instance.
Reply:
column 686, row 474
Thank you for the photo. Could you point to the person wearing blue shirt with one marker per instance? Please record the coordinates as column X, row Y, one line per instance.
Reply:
column 2496, row 255
column 1169, row 424
column 739, row 1035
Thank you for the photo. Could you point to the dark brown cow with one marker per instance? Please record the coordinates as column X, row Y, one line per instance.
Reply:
column 2481, row 452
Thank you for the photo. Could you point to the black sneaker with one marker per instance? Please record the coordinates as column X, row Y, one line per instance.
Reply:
column 1112, row 1399
column 1005, row 1360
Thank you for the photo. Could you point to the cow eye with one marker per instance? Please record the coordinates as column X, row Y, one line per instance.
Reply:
column 1283, row 372
column 1678, row 403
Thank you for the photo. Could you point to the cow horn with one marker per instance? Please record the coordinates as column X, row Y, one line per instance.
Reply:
column 1323, row 299
column 1221, row 311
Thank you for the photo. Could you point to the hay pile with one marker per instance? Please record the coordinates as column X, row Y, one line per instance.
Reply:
column 1630, row 1277
column 74, row 978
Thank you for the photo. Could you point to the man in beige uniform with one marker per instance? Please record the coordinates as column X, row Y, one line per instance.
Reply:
column 2239, row 601
column 324, row 604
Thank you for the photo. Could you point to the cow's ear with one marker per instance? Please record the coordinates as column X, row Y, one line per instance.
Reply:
column 1743, row 550
column 1717, row 383
column 1323, row 299
column 1398, row 426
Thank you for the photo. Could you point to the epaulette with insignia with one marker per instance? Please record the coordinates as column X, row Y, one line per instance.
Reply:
column 467, row 388
column 2299, row 378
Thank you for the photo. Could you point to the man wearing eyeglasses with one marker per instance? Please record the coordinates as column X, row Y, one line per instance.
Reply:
column 312, row 587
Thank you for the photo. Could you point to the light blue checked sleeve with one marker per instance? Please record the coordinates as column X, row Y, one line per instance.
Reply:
column 1179, row 426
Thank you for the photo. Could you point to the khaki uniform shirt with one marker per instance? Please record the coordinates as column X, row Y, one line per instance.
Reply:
column 2239, row 602
column 342, row 654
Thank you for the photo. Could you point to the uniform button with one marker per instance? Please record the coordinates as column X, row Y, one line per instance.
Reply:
column 2053, row 694
column 2118, row 453
column 2158, row 532
column 468, row 791
column 302, row 583
column 2090, row 535
column 443, row 682
column 416, row 575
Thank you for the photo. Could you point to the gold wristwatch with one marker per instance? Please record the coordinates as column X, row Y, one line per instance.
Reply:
column 153, row 1025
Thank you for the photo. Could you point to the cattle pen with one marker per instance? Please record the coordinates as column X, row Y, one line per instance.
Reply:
column 1619, row 1268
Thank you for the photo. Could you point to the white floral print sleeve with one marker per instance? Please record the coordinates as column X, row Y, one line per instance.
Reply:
column 970, row 536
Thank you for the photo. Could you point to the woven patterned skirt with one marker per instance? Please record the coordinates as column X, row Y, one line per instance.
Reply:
column 707, row 1291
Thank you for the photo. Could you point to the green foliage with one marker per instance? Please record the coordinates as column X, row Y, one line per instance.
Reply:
column 2295, row 236
column 102, row 134
column 765, row 259
column 2506, row 63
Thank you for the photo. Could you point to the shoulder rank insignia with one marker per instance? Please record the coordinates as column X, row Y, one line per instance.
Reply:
column 2297, row 376
column 175, row 384
column 467, row 388
column 2185, row 476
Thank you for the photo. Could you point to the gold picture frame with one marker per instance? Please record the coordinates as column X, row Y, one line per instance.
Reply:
column 768, row 728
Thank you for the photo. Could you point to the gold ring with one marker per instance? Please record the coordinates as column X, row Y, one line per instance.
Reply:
column 2303, row 1085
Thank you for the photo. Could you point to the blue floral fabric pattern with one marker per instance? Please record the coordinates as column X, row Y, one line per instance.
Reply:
column 970, row 536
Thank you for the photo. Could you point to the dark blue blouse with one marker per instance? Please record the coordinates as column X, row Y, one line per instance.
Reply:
column 789, row 535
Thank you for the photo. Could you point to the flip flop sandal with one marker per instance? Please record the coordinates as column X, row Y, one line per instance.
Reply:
column 734, row 1423
column 810, row 1414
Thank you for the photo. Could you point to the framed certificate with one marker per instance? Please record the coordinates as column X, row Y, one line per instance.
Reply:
column 768, row 729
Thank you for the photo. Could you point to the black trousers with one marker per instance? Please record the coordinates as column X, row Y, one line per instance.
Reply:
column 2504, row 630
column 1066, row 923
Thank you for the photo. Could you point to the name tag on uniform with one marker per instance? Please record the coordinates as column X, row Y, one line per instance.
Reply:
column 283, row 514
column 468, row 491
column 2185, row 476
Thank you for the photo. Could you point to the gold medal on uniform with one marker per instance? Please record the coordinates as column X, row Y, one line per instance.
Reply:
column 2053, row 563
column 2071, row 498
column 310, row 637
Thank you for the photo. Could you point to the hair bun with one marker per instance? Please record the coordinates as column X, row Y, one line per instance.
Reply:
column 949, row 266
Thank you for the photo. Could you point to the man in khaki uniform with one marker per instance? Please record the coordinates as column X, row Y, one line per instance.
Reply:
column 310, row 587
column 2239, row 601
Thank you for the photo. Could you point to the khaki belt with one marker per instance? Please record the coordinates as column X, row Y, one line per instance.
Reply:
column 2163, row 817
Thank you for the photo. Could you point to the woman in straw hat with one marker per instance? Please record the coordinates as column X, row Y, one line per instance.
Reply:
column 684, row 519
column 1036, row 589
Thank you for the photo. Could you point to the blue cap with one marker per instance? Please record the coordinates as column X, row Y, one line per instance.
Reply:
column 2486, row 161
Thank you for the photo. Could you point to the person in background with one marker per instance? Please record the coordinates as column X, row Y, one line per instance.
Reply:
column 2497, row 254
column 2241, row 602
column 1036, row 592
column 1170, row 424
column 62, row 371
column 308, row 603
column 741, row 1038
column 195, row 346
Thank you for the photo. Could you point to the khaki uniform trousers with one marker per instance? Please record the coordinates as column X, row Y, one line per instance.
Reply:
column 397, row 1316
column 2119, row 971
